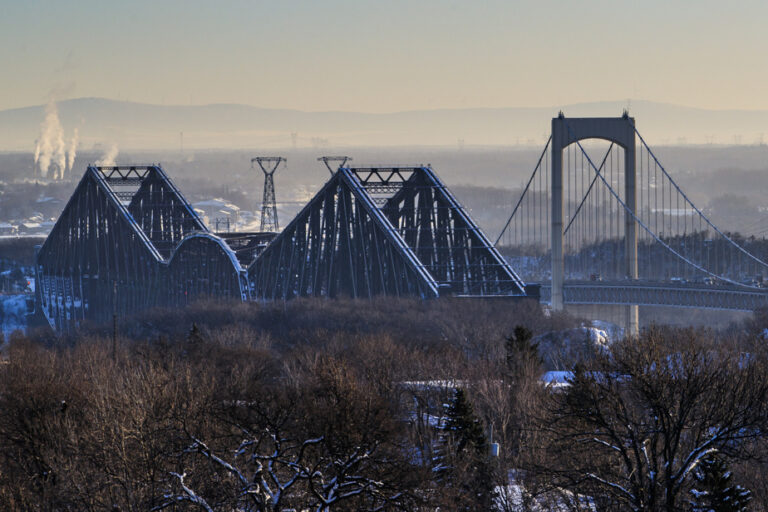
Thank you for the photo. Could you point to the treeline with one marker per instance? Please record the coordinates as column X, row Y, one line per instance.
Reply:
column 19, row 251
column 605, row 258
column 377, row 405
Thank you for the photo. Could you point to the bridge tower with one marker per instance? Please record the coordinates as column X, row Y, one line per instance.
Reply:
column 268, row 165
column 566, row 131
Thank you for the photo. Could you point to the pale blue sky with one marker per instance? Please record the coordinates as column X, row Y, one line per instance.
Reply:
column 388, row 55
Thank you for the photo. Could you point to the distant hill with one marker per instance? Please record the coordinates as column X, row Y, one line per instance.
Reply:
column 145, row 126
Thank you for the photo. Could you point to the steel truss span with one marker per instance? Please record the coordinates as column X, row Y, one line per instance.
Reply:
column 394, row 231
column 127, row 240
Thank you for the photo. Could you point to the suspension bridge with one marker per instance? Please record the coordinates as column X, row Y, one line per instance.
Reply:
column 601, row 221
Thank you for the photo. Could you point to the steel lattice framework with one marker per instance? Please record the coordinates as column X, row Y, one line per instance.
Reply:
column 382, row 231
column 269, row 222
column 128, row 240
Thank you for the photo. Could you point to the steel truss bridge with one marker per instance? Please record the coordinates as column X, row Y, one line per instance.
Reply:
column 127, row 240
column 601, row 221
column 382, row 231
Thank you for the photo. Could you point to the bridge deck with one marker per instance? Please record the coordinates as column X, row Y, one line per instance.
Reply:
column 652, row 293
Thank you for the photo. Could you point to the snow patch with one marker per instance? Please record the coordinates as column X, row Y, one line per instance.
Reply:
column 612, row 331
column 515, row 497
column 557, row 379
column 560, row 349
column 13, row 314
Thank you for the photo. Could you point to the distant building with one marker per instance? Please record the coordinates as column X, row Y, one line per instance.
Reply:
column 7, row 229
column 30, row 228
column 219, row 211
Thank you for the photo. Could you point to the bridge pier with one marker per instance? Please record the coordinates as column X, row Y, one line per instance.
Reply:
column 630, row 229
column 621, row 131
column 632, row 320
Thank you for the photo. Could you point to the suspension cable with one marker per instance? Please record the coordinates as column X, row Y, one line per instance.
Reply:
column 679, row 190
column 527, row 185
column 578, row 209
column 642, row 224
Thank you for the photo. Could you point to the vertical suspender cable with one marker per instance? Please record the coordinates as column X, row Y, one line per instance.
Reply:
column 519, row 202
column 527, row 213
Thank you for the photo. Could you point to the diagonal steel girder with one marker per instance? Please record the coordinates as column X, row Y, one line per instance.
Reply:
column 446, row 239
column 349, row 240
column 340, row 244
column 102, row 257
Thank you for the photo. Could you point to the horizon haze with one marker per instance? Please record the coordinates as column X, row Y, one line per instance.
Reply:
column 341, row 73
column 102, row 124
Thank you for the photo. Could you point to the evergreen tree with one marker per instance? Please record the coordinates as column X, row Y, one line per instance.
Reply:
column 521, row 353
column 465, row 461
column 195, row 335
column 714, row 490
column 195, row 340
column 464, row 427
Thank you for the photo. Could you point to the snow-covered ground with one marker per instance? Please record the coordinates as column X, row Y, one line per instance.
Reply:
column 514, row 497
column 613, row 331
column 557, row 379
column 13, row 314
column 560, row 349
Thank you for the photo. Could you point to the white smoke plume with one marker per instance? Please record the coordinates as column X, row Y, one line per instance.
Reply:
column 72, row 150
column 50, row 145
column 108, row 159
column 60, row 155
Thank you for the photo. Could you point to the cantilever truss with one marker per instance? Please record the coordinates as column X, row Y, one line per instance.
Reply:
column 382, row 231
column 128, row 240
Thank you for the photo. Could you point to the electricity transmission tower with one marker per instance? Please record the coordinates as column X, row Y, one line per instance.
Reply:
column 327, row 159
column 268, row 165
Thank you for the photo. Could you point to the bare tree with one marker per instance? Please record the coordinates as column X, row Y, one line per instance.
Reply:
column 264, row 471
column 317, row 440
column 635, row 423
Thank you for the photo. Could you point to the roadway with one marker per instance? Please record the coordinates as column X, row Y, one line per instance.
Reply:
column 661, row 293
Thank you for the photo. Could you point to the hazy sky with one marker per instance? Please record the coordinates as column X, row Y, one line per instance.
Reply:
column 388, row 55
